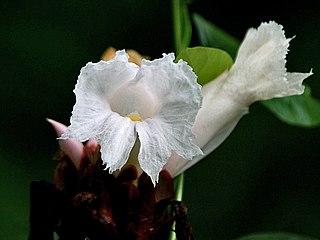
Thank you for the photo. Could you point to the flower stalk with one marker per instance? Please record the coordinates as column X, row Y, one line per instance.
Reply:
column 182, row 28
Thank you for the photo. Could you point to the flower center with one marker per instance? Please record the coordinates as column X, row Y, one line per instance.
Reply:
column 132, row 100
column 135, row 117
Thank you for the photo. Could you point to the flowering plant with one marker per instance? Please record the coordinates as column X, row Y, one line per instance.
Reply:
column 147, row 121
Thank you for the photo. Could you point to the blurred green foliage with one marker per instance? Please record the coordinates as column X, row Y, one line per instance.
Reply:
column 264, row 177
column 212, row 36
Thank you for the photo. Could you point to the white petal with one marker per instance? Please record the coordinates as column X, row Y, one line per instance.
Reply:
column 96, row 84
column 263, row 42
column 175, row 86
column 92, row 117
column 114, row 133
column 169, row 81
column 116, row 140
column 155, row 147
column 158, row 143
column 86, row 122
column 259, row 72
column 179, row 120
column 215, row 121
column 102, row 79
column 295, row 81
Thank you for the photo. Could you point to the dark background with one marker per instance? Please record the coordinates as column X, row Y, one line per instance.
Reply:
column 264, row 177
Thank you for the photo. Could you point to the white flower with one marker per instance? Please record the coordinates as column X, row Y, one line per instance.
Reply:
column 119, row 104
column 259, row 73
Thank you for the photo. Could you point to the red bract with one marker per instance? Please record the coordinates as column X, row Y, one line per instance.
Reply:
column 91, row 203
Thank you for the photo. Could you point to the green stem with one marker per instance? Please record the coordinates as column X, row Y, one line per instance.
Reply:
column 178, row 187
column 182, row 28
column 182, row 35
column 178, row 190
column 172, row 235
column 177, row 31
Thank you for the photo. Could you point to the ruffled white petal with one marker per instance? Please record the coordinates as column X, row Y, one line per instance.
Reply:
column 116, row 140
column 155, row 147
column 295, row 81
column 170, row 130
column 114, row 133
column 259, row 72
column 169, row 81
column 175, row 85
column 96, row 83
column 179, row 129
column 92, row 117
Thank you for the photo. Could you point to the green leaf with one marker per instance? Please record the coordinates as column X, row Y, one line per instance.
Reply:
column 275, row 236
column 207, row 63
column 212, row 36
column 182, row 28
column 302, row 110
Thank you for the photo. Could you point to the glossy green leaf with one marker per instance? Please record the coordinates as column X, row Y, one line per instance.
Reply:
column 213, row 36
column 303, row 110
column 207, row 63
column 275, row 236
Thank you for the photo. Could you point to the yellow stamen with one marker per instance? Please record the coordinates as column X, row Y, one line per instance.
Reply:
column 135, row 118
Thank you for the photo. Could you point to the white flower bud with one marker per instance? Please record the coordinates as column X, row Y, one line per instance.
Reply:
column 259, row 73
